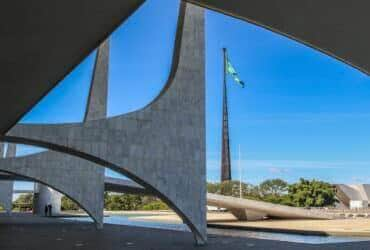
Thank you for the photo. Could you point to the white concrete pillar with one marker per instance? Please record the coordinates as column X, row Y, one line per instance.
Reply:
column 45, row 195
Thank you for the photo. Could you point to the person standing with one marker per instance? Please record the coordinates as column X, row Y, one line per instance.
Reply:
column 50, row 207
column 46, row 210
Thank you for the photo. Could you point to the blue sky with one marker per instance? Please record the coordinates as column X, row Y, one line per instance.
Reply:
column 301, row 114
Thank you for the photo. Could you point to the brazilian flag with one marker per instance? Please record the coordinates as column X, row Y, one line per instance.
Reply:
column 231, row 71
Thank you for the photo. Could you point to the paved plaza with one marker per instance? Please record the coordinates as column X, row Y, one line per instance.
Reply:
column 35, row 233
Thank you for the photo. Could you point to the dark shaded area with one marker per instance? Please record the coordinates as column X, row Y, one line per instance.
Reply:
column 336, row 27
column 122, row 188
column 11, row 177
column 268, row 229
column 44, row 40
column 33, row 233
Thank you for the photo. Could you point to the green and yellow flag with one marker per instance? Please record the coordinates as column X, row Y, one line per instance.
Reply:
column 231, row 71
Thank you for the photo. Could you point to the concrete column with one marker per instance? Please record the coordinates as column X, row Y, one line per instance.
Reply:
column 6, row 195
column 11, row 150
column 45, row 195
column 1, row 150
column 6, row 187
column 96, row 109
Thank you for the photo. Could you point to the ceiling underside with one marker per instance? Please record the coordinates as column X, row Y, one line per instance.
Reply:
column 44, row 40
column 339, row 28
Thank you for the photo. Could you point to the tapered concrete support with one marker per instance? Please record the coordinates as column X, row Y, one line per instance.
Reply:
column 88, row 189
column 248, row 215
column 161, row 147
column 96, row 108
column 6, row 187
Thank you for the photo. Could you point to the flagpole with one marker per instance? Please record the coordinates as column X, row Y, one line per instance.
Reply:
column 224, row 53
column 225, row 158
column 240, row 173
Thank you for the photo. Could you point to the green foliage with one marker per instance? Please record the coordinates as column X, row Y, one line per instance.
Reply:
column 117, row 202
column 123, row 202
column 305, row 193
column 312, row 193
column 155, row 205
column 213, row 188
column 232, row 188
column 68, row 204
column 23, row 202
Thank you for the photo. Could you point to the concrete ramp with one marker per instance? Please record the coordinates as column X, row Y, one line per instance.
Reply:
column 243, row 209
column 272, row 210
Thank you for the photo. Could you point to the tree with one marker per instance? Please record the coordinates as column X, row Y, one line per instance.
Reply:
column 274, row 187
column 232, row 188
column 305, row 193
column 68, row 204
column 116, row 202
column 229, row 188
column 24, row 202
column 213, row 188
column 312, row 193
column 155, row 205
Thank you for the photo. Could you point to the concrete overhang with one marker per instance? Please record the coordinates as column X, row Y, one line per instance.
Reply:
column 338, row 28
column 43, row 40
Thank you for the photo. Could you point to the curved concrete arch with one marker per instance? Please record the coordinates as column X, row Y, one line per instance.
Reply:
column 87, row 194
column 162, row 146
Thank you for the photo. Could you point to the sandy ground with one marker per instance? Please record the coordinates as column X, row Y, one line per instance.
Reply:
column 339, row 227
column 348, row 227
column 344, row 227
column 163, row 213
